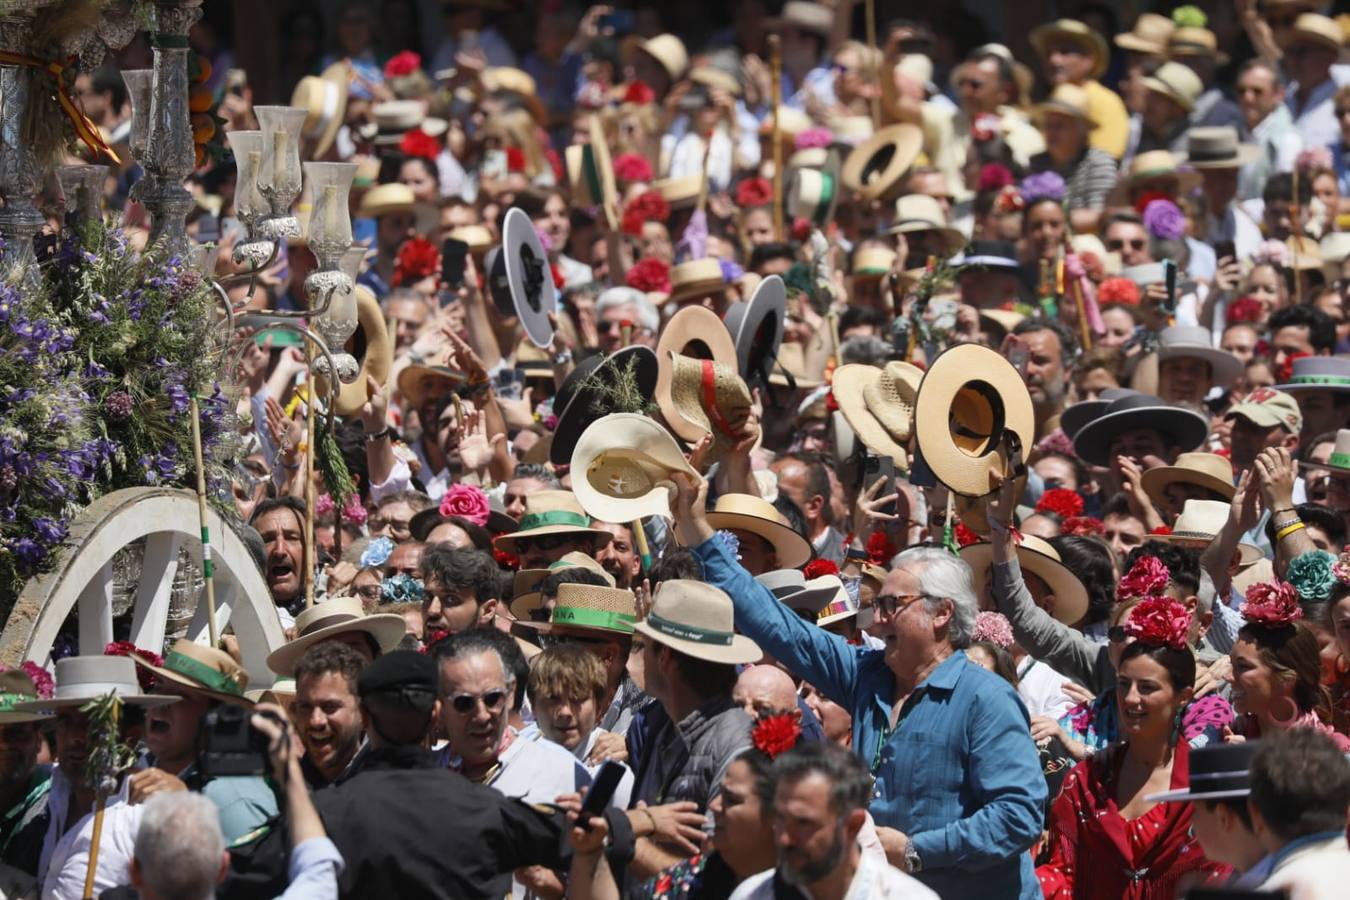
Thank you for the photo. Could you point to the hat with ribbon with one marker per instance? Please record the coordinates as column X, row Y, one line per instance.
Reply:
column 695, row 332
column 324, row 97
column 917, row 213
column 1194, row 342
column 533, row 293
column 1217, row 148
column 1199, row 523
column 1149, row 35
column 1047, row 36
column 872, row 263
column 17, row 687
column 552, row 513
column 1202, row 469
column 1339, row 461
column 622, row 466
column 807, row 597
column 588, row 392
column 813, row 193
column 711, row 398
column 589, row 608
column 80, row 679
column 696, row 278
column 876, row 167
column 1177, row 82
column 698, row 620
column 203, row 670
column 1217, row 772
column 756, row 327
column 879, row 405
column 337, row 615
column 1177, row 427
column 525, row 595
column 1317, row 373
column 842, row 605
column 590, row 170
column 1037, row 556
column 744, row 512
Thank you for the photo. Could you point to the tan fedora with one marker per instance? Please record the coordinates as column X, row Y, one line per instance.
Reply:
column 695, row 332
column 418, row 383
column 1068, row 100
column 698, row 620
column 1199, row 523
column 872, row 263
column 711, row 396
column 203, row 670
column 1072, row 30
column 916, row 213
column 589, row 608
column 80, row 679
column 477, row 237
column 16, row 687
column 1311, row 28
column 552, row 512
column 713, row 77
column 791, row 362
column 384, row 199
column 324, row 97
column 670, row 52
column 1190, row 42
column 969, row 399
column 1204, row 469
column 876, row 167
column 1152, row 165
column 1177, row 82
column 511, row 80
column 1037, row 556
column 680, row 193
column 373, row 348
column 743, row 512
column 590, row 170
column 622, row 467
column 1149, row 35
column 525, row 595
column 696, row 278
column 879, row 405
column 1217, row 148
column 337, row 615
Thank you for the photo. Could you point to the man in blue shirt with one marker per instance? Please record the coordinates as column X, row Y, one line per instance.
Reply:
column 958, row 797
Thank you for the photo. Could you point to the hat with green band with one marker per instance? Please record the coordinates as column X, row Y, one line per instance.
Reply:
column 698, row 620
column 1340, row 455
column 589, row 169
column 586, row 607
column 15, row 688
column 813, row 193
column 1318, row 373
column 550, row 513
column 525, row 594
column 202, row 669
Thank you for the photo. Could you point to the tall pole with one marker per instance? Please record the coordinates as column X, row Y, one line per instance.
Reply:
column 208, row 566
column 311, row 414
column 874, row 60
column 776, row 62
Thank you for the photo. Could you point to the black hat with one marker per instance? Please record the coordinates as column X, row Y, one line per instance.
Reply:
column 406, row 673
column 575, row 403
column 1218, row 771
column 988, row 255
column 1076, row 415
column 1178, row 427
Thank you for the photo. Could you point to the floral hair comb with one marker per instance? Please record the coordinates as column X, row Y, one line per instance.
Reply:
column 1272, row 604
column 1160, row 621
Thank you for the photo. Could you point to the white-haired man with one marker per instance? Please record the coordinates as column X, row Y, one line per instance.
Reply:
column 624, row 317
column 959, row 796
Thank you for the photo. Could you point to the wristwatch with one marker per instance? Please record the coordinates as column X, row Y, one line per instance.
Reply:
column 913, row 865
column 563, row 358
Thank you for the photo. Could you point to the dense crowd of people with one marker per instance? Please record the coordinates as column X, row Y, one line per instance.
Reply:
column 908, row 469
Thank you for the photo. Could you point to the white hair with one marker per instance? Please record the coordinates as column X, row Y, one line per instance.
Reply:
column 943, row 576
column 179, row 846
column 647, row 315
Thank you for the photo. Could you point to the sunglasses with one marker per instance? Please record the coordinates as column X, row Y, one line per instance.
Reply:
column 1116, row 634
column 1118, row 244
column 892, row 605
column 464, row 704
column 607, row 327
column 973, row 83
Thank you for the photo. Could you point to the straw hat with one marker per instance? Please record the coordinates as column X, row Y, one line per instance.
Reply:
column 1178, row 82
column 1311, row 28
column 872, row 263
column 713, row 77
column 395, row 197
column 579, row 400
column 915, row 213
column 1189, row 41
column 525, row 595
column 680, row 193
column 795, row 592
column 417, row 383
column 791, row 364
column 1334, row 249
column 337, row 615
column 1199, row 523
column 876, row 167
column 552, row 512
column 282, row 693
column 756, row 327
column 1072, row 30
column 973, row 512
column 16, row 688
column 840, row 606
column 622, row 466
column 710, row 397
column 969, row 399
column 1339, row 461
column 1038, row 557
column 392, row 119
column 1193, row 341
column 698, row 620
column 204, row 670
column 813, row 193
column 879, row 405
column 1207, row 470
column 669, row 51
column 589, row 608
column 1152, row 165
column 1149, row 35
column 533, row 294
column 325, row 100
column 1069, row 100
column 696, row 278
column 804, row 15
column 1318, row 373
column 519, row 82
column 794, row 122
column 695, row 332
column 1178, row 427
column 80, row 679
column 373, row 347
column 1217, row 148
column 477, row 237
column 590, row 170
column 747, row 513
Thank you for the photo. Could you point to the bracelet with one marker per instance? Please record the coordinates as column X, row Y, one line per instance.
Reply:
column 1285, row 509
column 1280, row 526
column 1285, row 532
column 650, row 818
column 386, row 432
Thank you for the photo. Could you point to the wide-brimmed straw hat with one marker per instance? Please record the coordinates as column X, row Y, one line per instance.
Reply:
column 698, row 620
column 552, row 512
column 1179, row 427
column 204, row 670
column 1072, row 30
column 511, row 80
column 744, row 512
column 580, row 399
column 1149, row 166
column 622, row 468
column 813, row 192
column 477, row 237
column 681, row 192
column 696, row 278
column 1199, row 523
column 872, row 263
column 1194, row 342
column 915, row 213
column 879, row 404
column 417, row 383
column 1037, row 556
column 373, row 349
column 711, row 396
column 1318, row 373
column 756, row 327
column 1217, row 772
column 970, row 401
column 796, row 592
column 1217, row 148
column 1311, row 28
column 1149, row 34
column 876, row 168
column 324, row 97
column 337, row 615
column 695, row 332
column 525, row 594
column 1067, row 100
column 1203, row 469
column 80, row 679
column 669, row 51
column 1177, row 82
column 17, row 687
column 1192, row 42
column 590, row 170
column 589, row 608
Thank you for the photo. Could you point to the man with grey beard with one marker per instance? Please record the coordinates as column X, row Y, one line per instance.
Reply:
column 1050, row 352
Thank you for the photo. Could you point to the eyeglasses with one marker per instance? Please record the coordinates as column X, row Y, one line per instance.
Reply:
column 973, row 83
column 369, row 592
column 608, row 326
column 891, row 605
column 394, row 525
column 1116, row 634
column 545, row 542
column 1117, row 244
column 464, row 704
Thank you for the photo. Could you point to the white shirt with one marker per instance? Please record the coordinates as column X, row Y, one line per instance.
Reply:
column 1042, row 689
column 1316, row 121
column 1280, row 144
column 622, row 793
column 65, row 853
column 873, row 879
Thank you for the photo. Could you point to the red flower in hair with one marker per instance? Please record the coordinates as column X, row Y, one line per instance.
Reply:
column 801, row 230
column 1272, row 604
column 43, row 684
column 879, row 548
column 1148, row 577
column 632, row 167
column 418, row 143
column 1148, row 197
column 1161, row 529
column 649, row 275
column 401, row 64
column 1083, row 526
column 515, row 160
column 559, row 280
column 1247, row 310
column 986, row 127
column 640, row 93
column 1009, row 200
column 964, row 536
column 993, row 177
column 1160, row 621
column 418, row 258
column 649, row 206
column 1062, row 502
column 1118, row 290
column 144, row 676
column 506, row 560
column 817, row 568
column 752, row 192
column 775, row 734
column 1287, row 368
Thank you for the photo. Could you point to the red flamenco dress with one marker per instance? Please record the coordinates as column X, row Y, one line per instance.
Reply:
column 1096, row 854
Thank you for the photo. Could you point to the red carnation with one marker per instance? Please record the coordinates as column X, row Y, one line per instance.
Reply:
column 418, row 258
column 1062, row 502
column 1246, row 310
column 1147, row 578
column 649, row 206
column 1272, row 604
column 1160, row 621
column 1161, row 529
column 752, row 192
column 144, row 676
column 650, row 275
column 559, row 280
column 515, row 160
column 632, row 167
column 506, row 560
column 640, row 93
column 1148, row 197
column 418, row 143
column 964, row 536
column 1009, row 200
column 434, row 638
column 1118, row 290
column 1287, row 369
column 401, row 64
column 774, row 734
column 1083, row 526
column 818, row 568
column 993, row 177
column 879, row 549
column 801, row 230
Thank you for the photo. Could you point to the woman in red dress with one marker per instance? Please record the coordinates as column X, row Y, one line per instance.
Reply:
column 1106, row 841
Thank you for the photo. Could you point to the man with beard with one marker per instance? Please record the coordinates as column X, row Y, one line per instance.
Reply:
column 818, row 806
column 24, row 785
column 525, row 480
column 552, row 526
column 620, row 557
column 1050, row 354
column 281, row 523
column 463, row 589
column 327, row 712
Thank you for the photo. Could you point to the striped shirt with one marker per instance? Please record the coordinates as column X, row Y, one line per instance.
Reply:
column 1089, row 178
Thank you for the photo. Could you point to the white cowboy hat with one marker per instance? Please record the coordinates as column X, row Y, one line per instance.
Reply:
column 622, row 466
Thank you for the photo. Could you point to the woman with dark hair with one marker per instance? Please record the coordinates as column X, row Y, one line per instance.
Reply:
column 420, row 175
column 1337, row 623
column 1090, row 559
column 1106, row 840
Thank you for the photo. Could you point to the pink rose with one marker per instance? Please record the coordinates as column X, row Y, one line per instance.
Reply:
column 1147, row 578
column 467, row 502
column 1272, row 604
column 1160, row 621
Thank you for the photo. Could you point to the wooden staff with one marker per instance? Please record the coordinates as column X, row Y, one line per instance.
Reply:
column 707, row 156
column 89, row 874
column 874, row 60
column 208, row 566
column 1298, row 280
column 640, row 539
column 776, row 64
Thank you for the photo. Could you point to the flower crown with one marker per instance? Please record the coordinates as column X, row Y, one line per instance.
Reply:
column 776, row 733
column 144, row 676
column 994, row 628
column 1161, row 622
column 1272, row 604
column 1147, row 579
column 402, row 588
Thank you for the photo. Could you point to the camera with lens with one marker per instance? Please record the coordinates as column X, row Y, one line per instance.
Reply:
column 228, row 744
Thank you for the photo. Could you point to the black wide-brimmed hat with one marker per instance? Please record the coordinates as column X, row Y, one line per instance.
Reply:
column 1218, row 771
column 580, row 401
column 533, row 293
column 756, row 327
column 1179, row 427
column 1079, row 414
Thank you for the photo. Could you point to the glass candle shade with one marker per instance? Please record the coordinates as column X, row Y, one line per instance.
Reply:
column 249, row 204
column 140, row 91
column 82, row 187
column 330, row 221
column 338, row 323
column 204, row 258
column 279, row 174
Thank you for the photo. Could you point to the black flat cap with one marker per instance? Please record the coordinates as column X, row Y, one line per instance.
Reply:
column 405, row 672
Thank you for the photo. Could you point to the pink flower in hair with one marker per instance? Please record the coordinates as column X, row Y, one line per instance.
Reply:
column 1148, row 577
column 994, row 628
column 812, row 138
column 1272, row 604
column 1160, row 621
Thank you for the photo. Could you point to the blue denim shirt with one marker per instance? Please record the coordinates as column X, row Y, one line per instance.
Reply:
column 960, row 774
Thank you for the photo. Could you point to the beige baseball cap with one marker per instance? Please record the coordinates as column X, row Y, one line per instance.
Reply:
column 1267, row 408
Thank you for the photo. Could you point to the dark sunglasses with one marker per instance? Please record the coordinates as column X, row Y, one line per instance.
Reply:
column 464, row 704
column 1120, row 245
column 891, row 604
